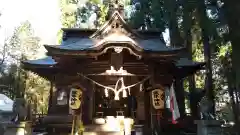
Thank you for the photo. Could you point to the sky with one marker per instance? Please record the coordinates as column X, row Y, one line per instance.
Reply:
column 44, row 16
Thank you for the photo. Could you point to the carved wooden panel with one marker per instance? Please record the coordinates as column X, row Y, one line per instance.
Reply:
column 116, row 25
column 117, row 60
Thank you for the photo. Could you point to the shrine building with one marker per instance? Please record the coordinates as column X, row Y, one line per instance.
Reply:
column 120, row 71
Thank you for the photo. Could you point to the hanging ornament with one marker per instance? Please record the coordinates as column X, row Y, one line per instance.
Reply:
column 116, row 97
column 106, row 92
column 124, row 93
column 116, row 90
column 129, row 91
column 141, row 87
column 122, row 88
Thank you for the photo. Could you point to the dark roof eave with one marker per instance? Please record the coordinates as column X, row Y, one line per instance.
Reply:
column 46, row 73
column 195, row 64
column 55, row 50
column 78, row 30
column 184, row 71
column 28, row 64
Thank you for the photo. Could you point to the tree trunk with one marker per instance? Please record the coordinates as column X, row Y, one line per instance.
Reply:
column 175, row 41
column 175, row 38
column 232, row 11
column 231, row 93
column 207, row 53
column 187, row 25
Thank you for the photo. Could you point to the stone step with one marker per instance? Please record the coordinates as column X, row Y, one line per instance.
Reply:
column 39, row 133
column 96, row 128
column 103, row 133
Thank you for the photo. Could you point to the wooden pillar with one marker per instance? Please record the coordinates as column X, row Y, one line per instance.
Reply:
column 91, row 102
column 147, row 109
column 50, row 100
column 87, row 101
column 148, row 85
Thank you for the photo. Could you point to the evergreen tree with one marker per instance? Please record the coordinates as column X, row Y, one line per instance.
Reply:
column 231, row 11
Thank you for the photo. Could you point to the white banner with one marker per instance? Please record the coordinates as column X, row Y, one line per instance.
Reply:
column 174, row 105
column 167, row 98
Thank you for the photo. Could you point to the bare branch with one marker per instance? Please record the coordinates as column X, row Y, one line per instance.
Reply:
column 3, row 53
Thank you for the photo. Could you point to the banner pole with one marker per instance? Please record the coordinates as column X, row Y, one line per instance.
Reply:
column 73, row 124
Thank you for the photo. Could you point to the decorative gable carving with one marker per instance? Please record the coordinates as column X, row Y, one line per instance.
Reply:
column 116, row 24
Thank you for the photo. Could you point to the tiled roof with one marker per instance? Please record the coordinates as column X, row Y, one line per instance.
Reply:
column 74, row 43
column 47, row 61
column 186, row 62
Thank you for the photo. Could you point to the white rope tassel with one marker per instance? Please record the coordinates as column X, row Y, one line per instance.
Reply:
column 141, row 87
column 106, row 92
column 124, row 93
column 129, row 91
column 116, row 97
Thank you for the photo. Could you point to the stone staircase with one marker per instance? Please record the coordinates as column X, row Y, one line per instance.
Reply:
column 104, row 126
column 101, row 129
column 104, row 133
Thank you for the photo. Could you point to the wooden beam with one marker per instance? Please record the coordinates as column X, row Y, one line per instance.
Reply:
column 132, row 70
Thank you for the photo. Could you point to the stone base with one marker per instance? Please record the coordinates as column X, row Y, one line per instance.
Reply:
column 22, row 128
column 208, row 127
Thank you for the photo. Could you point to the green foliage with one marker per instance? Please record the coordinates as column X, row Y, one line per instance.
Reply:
column 103, row 13
column 59, row 36
column 138, row 19
column 23, row 43
column 75, row 15
column 14, row 81
column 37, row 91
column 158, row 14
column 226, row 113
column 150, row 14
column 68, row 10
column 141, row 17
column 11, row 83
column 68, row 16
column 95, row 1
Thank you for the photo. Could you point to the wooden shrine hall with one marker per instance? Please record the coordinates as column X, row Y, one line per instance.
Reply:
column 116, row 68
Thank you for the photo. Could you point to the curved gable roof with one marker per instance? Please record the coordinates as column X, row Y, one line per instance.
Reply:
column 116, row 18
